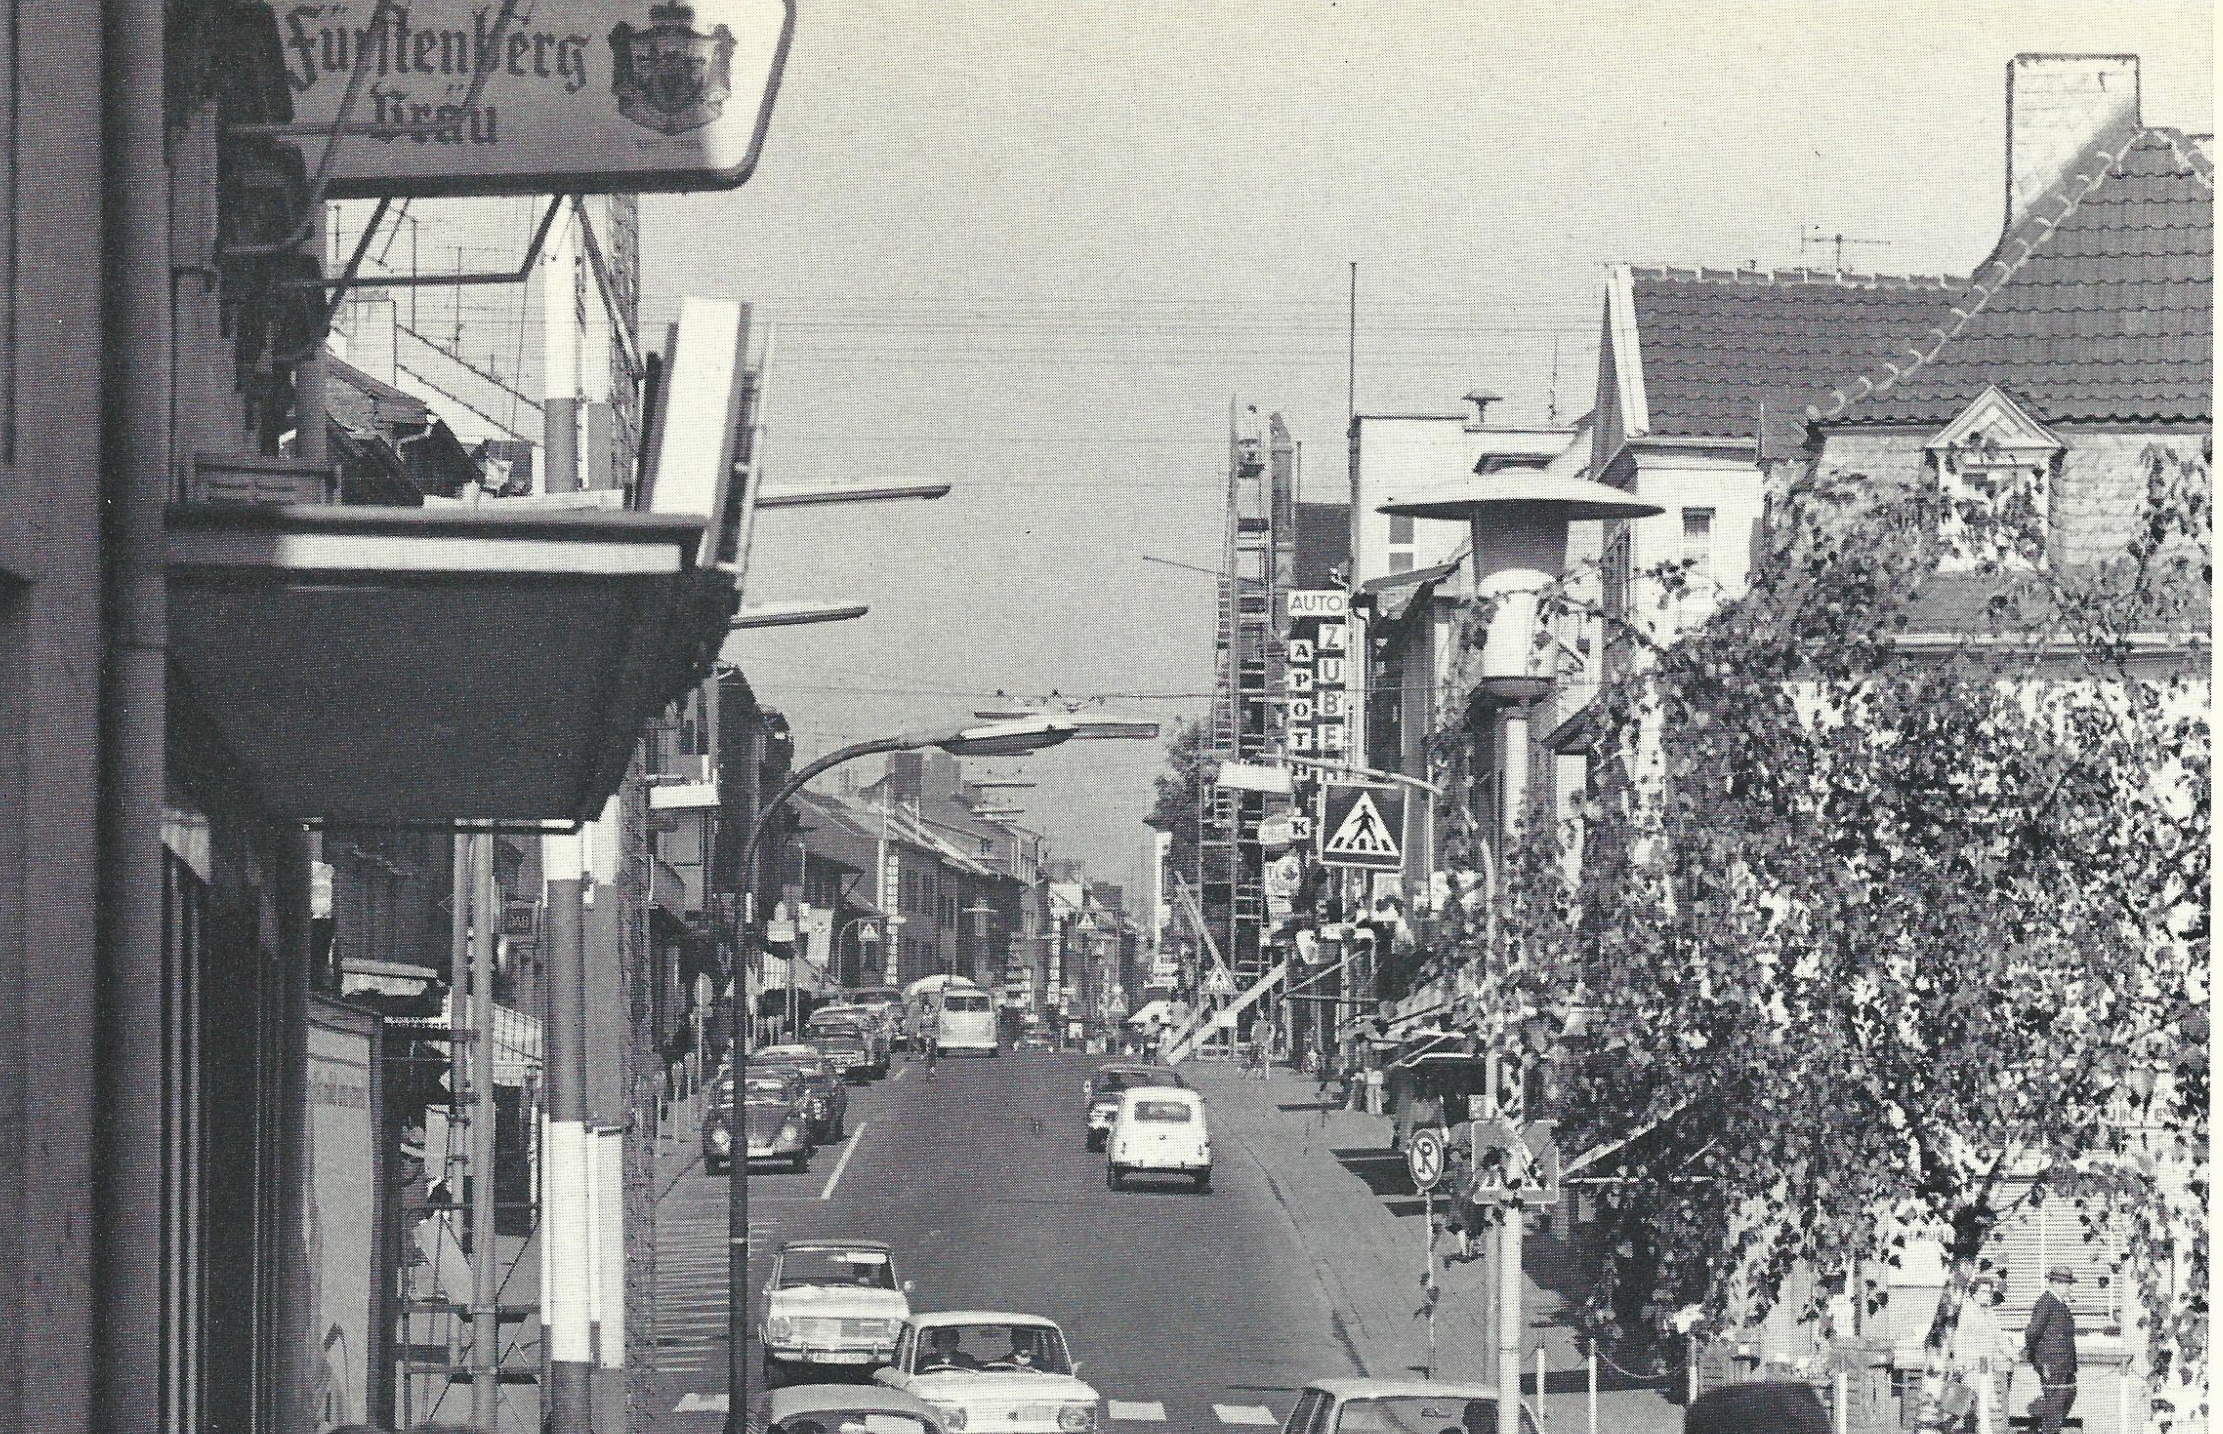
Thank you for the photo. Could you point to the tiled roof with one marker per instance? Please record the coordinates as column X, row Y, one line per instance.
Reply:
column 1719, row 346
column 2098, row 306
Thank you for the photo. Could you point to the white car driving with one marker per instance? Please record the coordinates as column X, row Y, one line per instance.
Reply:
column 983, row 1370
column 831, row 1302
column 1159, row 1130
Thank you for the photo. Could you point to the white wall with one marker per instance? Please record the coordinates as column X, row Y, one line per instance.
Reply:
column 1396, row 456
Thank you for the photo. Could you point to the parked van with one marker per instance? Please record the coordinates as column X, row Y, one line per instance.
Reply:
column 967, row 1024
column 1160, row 1130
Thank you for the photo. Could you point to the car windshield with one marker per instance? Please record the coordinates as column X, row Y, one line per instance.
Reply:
column 852, row 1421
column 838, row 1268
column 966, row 1001
column 842, row 1040
column 1173, row 1112
column 1028, row 1348
column 1417, row 1414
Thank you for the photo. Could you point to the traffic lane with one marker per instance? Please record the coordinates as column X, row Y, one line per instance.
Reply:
column 692, row 1254
column 981, row 1181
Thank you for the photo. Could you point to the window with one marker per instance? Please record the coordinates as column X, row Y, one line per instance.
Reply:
column 1994, row 466
column 1400, row 562
column 1615, row 573
column 1400, row 528
column 1698, row 548
column 1172, row 1112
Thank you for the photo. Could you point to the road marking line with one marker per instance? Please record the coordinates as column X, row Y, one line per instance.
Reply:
column 843, row 1163
column 1244, row 1414
column 1139, row 1410
column 701, row 1404
column 899, row 1075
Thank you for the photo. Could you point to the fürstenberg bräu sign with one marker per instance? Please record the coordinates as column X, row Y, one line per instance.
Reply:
column 574, row 95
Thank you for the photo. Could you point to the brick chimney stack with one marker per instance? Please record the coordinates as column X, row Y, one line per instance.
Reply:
column 2059, row 106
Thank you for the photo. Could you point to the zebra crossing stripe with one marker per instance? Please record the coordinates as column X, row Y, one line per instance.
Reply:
column 1141, row 1411
column 1245, row 1414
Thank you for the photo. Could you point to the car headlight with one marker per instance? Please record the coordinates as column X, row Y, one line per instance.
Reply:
column 953, row 1415
column 779, row 1327
column 721, row 1137
column 1076, row 1418
column 790, row 1131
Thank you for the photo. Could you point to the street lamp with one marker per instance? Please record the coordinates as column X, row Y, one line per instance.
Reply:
column 1012, row 737
column 1518, row 525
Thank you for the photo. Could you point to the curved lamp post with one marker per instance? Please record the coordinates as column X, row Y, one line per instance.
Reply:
column 1011, row 737
column 1518, row 521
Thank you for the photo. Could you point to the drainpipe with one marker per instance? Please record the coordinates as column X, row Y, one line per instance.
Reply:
column 128, row 1264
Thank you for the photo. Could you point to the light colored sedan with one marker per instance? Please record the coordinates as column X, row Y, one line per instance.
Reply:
column 984, row 1370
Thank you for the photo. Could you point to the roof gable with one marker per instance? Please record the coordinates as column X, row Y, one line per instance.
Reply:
column 2099, row 306
column 1738, row 354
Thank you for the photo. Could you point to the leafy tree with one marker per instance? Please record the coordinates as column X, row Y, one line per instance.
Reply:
column 1879, row 940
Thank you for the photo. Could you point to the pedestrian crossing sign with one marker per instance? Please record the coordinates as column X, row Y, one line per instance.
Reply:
column 1362, row 826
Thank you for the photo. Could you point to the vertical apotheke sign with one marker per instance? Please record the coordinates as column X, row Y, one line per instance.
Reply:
column 572, row 96
column 1316, row 685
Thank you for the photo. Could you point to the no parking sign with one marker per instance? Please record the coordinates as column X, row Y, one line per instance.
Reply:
column 1424, row 1157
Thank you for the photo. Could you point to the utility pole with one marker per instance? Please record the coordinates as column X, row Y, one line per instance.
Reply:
column 486, row 1325
column 565, row 1171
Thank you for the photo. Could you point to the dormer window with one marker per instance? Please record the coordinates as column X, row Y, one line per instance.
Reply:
column 1994, row 466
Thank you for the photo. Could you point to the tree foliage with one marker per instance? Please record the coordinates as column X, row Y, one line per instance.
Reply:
column 1879, row 939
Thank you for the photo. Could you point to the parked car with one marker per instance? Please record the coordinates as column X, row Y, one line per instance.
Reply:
column 848, row 1051
column 855, row 1018
column 837, row 1408
column 1396, row 1406
column 885, row 1003
column 1160, row 1130
column 984, row 1370
column 1033, row 1041
column 831, row 1302
column 1101, row 1093
column 776, row 1129
column 825, row 1096
column 717, row 1135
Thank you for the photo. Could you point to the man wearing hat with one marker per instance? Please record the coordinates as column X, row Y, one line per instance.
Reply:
column 2050, row 1345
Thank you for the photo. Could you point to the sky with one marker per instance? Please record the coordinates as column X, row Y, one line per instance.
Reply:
column 1036, row 249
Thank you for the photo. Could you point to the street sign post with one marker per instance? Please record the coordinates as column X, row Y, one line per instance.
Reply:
column 1361, row 826
column 463, row 98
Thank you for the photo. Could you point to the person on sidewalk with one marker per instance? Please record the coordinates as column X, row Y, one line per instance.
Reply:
column 1982, row 1356
column 2049, row 1344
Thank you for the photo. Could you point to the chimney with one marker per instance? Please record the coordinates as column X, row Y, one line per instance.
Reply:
column 2059, row 106
column 1482, row 399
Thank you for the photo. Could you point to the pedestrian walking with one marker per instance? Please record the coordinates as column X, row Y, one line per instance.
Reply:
column 2049, row 1344
column 1982, row 1357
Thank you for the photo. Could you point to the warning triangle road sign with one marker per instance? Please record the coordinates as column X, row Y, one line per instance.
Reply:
column 1363, row 824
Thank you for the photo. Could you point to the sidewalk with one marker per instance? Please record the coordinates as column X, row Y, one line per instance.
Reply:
column 1331, row 1170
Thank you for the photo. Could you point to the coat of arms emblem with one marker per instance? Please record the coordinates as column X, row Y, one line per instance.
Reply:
column 671, row 77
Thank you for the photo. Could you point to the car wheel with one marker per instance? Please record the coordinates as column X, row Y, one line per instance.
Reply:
column 1204, row 1182
column 802, row 1162
column 714, row 1165
column 841, row 1127
column 1095, row 1141
column 774, row 1376
column 1112, row 1178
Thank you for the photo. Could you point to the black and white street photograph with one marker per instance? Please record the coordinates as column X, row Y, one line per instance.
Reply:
column 1106, row 716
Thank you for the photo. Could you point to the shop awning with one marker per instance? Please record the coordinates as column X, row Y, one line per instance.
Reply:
column 432, row 664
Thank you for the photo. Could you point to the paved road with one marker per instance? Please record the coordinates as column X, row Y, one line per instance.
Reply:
column 1189, row 1312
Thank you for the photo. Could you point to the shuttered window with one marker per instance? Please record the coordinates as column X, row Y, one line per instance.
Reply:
column 2052, row 1234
